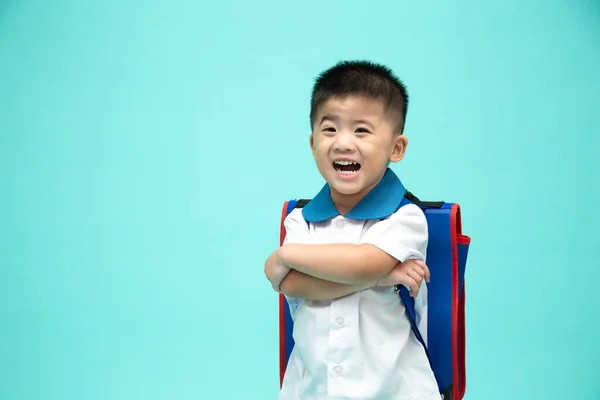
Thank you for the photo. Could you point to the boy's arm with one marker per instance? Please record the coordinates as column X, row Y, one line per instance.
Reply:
column 350, row 264
column 399, row 237
column 299, row 285
column 303, row 286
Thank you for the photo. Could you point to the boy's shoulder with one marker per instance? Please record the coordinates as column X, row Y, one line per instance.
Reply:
column 295, row 214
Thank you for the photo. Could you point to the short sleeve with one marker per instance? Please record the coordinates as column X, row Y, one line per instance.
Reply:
column 403, row 235
column 296, row 228
column 296, row 231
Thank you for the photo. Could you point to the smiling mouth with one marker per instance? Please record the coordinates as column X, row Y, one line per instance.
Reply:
column 346, row 167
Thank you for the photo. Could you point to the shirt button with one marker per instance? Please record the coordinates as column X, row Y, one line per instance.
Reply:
column 337, row 369
column 339, row 321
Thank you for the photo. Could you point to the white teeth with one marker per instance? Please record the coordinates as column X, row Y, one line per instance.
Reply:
column 339, row 164
column 345, row 162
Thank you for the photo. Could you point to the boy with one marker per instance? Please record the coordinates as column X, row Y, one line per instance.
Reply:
column 348, row 247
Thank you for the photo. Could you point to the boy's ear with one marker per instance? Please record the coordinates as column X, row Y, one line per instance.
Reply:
column 399, row 149
column 312, row 145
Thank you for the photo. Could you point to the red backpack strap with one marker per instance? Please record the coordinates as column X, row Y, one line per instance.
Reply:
column 282, row 306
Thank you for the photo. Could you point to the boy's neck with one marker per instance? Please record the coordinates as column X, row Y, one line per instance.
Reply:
column 345, row 203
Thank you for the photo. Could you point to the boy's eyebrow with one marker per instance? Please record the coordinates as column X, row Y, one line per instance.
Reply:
column 364, row 121
column 333, row 118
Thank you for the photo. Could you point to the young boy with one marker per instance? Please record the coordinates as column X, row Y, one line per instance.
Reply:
column 347, row 248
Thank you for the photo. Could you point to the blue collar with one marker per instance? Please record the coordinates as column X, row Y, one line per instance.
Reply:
column 379, row 203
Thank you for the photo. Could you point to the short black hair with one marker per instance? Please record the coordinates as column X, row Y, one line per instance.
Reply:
column 362, row 79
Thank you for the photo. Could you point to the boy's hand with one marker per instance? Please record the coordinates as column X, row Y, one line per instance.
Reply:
column 275, row 270
column 410, row 273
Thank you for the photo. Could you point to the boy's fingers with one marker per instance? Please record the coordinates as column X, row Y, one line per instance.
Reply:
column 414, row 289
column 423, row 269
column 416, row 278
column 415, row 274
column 410, row 282
column 427, row 274
column 420, row 270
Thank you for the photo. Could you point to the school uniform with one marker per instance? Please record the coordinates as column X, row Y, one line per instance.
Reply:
column 360, row 346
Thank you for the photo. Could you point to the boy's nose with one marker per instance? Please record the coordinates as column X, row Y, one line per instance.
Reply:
column 344, row 143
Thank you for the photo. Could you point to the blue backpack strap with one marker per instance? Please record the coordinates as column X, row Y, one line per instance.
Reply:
column 409, row 304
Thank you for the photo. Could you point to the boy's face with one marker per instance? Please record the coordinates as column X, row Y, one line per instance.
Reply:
column 352, row 142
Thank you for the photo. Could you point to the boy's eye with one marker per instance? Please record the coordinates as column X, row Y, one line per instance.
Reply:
column 362, row 130
column 329, row 129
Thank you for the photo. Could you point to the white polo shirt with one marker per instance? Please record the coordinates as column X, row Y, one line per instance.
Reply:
column 360, row 346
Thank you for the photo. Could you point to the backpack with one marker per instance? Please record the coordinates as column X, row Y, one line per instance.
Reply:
column 446, row 259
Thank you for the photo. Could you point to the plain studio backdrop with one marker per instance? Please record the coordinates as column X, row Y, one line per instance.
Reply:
column 146, row 149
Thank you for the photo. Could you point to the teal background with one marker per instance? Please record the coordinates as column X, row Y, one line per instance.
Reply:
column 146, row 149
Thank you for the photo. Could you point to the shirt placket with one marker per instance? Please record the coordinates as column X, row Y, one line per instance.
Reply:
column 343, row 355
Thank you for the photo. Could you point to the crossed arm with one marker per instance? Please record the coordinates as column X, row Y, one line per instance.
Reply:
column 327, row 271
column 391, row 255
column 299, row 285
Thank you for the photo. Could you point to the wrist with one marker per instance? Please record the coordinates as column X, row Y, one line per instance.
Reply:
column 283, row 255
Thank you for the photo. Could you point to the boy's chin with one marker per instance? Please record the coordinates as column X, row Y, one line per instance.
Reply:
column 346, row 188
